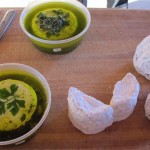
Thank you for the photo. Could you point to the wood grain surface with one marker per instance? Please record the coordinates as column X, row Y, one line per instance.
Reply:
column 104, row 56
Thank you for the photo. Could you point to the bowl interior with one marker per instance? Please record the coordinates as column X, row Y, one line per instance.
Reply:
column 32, row 77
column 80, row 11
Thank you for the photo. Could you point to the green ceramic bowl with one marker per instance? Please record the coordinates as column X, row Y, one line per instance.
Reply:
column 56, row 46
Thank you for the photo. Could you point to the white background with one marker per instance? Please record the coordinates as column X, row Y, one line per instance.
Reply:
column 133, row 4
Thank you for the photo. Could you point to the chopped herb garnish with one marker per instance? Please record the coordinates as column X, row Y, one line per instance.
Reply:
column 9, row 101
column 23, row 117
column 52, row 25
column 2, row 108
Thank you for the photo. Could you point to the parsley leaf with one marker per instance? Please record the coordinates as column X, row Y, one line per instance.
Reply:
column 15, row 105
column 2, row 108
column 9, row 101
column 13, row 88
column 21, row 103
column 4, row 93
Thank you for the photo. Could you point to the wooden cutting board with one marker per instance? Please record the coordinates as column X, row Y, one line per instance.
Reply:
column 104, row 56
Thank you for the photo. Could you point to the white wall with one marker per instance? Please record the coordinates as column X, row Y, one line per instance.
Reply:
column 133, row 4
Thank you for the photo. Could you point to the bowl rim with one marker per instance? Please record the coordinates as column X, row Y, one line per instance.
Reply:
column 72, row 2
column 41, row 78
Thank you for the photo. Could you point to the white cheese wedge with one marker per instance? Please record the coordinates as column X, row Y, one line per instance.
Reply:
column 18, row 102
column 124, row 97
column 88, row 114
column 141, row 59
column 147, row 107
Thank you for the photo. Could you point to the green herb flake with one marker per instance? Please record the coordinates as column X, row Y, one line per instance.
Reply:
column 52, row 25
column 23, row 117
column 2, row 108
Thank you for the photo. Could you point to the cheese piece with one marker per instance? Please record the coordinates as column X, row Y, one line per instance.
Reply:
column 147, row 107
column 141, row 59
column 88, row 114
column 124, row 97
column 18, row 102
column 63, row 33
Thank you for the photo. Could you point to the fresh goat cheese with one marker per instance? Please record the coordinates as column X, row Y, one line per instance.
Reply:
column 88, row 114
column 18, row 102
column 124, row 97
column 91, row 116
column 147, row 107
column 141, row 59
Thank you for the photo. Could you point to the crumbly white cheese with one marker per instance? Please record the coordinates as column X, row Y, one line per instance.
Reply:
column 141, row 59
column 147, row 107
column 88, row 114
column 124, row 97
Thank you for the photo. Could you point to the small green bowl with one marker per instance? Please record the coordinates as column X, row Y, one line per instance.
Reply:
column 56, row 46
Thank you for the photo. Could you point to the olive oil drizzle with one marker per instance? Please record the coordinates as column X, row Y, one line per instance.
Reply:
column 52, row 25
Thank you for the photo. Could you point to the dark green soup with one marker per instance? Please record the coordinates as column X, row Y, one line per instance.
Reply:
column 81, row 19
column 41, row 103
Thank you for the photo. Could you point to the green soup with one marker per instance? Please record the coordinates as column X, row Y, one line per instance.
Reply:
column 76, row 21
column 41, row 103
